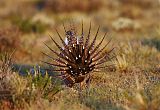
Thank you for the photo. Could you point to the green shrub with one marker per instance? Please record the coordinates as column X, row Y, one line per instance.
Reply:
column 26, row 25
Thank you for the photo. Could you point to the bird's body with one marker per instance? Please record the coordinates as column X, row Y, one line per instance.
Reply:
column 77, row 58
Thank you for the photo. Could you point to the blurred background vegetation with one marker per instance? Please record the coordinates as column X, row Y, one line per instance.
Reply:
column 30, row 22
column 134, row 28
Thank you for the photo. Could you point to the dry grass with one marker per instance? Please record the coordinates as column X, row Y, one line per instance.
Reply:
column 135, row 83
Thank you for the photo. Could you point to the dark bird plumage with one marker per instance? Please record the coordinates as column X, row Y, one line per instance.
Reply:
column 78, row 58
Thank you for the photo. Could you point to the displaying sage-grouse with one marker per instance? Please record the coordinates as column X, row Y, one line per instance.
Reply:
column 78, row 58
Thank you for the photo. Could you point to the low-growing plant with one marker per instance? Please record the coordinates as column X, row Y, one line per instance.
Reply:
column 18, row 91
column 5, row 70
column 121, row 63
column 46, row 85
column 136, row 54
